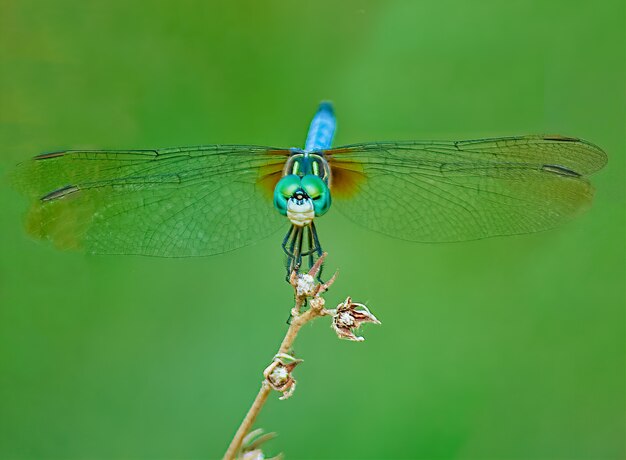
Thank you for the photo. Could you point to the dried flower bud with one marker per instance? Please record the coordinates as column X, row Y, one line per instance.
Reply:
column 348, row 318
column 305, row 285
column 278, row 374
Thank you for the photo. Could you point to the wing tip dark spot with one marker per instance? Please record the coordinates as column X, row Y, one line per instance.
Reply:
column 48, row 155
column 560, row 170
column 593, row 151
column 60, row 193
column 559, row 138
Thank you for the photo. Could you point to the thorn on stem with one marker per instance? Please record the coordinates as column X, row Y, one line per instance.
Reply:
column 317, row 265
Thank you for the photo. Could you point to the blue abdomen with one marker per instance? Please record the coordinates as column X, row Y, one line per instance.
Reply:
column 322, row 128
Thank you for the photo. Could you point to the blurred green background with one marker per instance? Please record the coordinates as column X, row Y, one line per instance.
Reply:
column 510, row 348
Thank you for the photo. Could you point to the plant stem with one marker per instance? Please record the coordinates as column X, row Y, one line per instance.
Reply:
column 248, row 421
column 296, row 324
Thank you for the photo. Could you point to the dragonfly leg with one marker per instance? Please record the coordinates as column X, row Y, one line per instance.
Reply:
column 313, row 248
column 309, row 237
column 297, row 253
column 287, row 249
column 317, row 250
column 292, row 247
column 286, row 239
column 316, row 241
column 296, row 248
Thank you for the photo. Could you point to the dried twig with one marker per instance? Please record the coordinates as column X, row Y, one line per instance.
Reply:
column 277, row 376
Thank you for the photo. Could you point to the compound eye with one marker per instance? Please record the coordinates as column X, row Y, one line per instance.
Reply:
column 288, row 185
column 314, row 186
column 317, row 189
column 285, row 188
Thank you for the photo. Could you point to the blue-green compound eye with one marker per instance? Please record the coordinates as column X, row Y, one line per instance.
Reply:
column 284, row 189
column 317, row 189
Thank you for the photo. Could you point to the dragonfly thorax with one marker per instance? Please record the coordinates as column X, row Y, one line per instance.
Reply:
column 302, row 163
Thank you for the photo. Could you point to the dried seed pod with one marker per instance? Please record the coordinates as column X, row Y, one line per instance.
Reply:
column 278, row 374
column 348, row 318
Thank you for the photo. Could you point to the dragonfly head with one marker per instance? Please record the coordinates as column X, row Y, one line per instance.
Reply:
column 301, row 199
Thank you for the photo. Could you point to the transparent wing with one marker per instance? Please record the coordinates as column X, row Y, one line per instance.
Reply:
column 455, row 191
column 174, row 202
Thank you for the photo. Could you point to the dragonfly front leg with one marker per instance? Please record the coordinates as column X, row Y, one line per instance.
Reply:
column 309, row 253
column 293, row 243
column 292, row 247
column 310, row 244
column 314, row 249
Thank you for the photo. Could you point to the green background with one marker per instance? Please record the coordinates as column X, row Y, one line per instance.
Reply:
column 509, row 348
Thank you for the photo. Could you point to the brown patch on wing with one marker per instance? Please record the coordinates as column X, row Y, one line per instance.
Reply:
column 346, row 176
column 269, row 175
column 283, row 152
column 64, row 222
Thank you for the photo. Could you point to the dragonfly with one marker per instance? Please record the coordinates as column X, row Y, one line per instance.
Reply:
column 210, row 199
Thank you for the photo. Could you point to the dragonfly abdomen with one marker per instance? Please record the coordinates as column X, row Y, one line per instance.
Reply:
column 322, row 129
